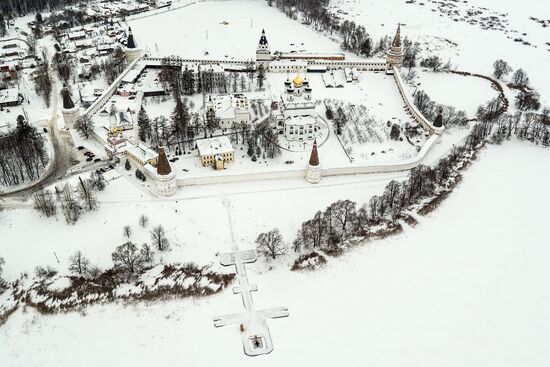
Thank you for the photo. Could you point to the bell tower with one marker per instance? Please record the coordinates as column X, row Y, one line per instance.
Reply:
column 263, row 53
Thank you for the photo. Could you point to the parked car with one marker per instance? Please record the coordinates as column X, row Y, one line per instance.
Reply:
column 97, row 160
column 45, row 130
column 102, row 170
column 88, row 159
column 80, row 147
column 111, row 166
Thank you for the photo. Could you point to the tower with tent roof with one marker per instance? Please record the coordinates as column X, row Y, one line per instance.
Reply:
column 313, row 170
column 165, row 177
column 394, row 56
column 131, row 50
column 263, row 52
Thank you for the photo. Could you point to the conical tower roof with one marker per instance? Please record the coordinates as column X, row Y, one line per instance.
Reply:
column 314, row 158
column 163, row 166
column 263, row 38
column 397, row 39
column 131, row 42
column 67, row 100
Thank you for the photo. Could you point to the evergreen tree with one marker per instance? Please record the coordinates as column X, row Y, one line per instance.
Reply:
column 261, row 76
column 3, row 30
column 211, row 121
column 180, row 121
column 144, row 125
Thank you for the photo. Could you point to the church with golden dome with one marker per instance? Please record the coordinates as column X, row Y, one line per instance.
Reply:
column 297, row 118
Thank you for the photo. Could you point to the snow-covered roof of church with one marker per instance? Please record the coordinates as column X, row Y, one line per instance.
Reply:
column 218, row 145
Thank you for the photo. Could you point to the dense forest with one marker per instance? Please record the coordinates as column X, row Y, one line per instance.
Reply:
column 14, row 8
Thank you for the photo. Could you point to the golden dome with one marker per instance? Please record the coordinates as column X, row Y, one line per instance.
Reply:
column 298, row 81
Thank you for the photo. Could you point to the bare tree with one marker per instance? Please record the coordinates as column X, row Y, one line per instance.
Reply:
column 313, row 233
column 78, row 263
column 520, row 78
column 391, row 192
column 87, row 194
column 501, row 68
column 270, row 244
column 158, row 236
column 128, row 257
column 127, row 231
column 84, row 125
column 44, row 202
column 71, row 208
column 147, row 254
column 143, row 220
column 342, row 215
column 528, row 100
column 97, row 180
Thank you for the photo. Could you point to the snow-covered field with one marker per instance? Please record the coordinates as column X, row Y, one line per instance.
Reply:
column 192, row 31
column 466, row 287
column 476, row 49
column 195, row 219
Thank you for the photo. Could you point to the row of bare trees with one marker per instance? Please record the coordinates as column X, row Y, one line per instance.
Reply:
column 71, row 200
column 430, row 109
column 331, row 230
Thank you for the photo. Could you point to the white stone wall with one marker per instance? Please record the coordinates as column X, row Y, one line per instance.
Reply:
column 412, row 108
column 227, row 177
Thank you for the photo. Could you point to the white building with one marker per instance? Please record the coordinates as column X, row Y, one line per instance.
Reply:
column 230, row 110
column 300, row 128
column 297, row 117
column 297, row 99
column 216, row 152
column 287, row 66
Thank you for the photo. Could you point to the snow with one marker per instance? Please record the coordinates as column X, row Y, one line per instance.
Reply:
column 200, row 29
column 59, row 284
column 476, row 49
column 467, row 286
column 465, row 93
column 213, row 146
